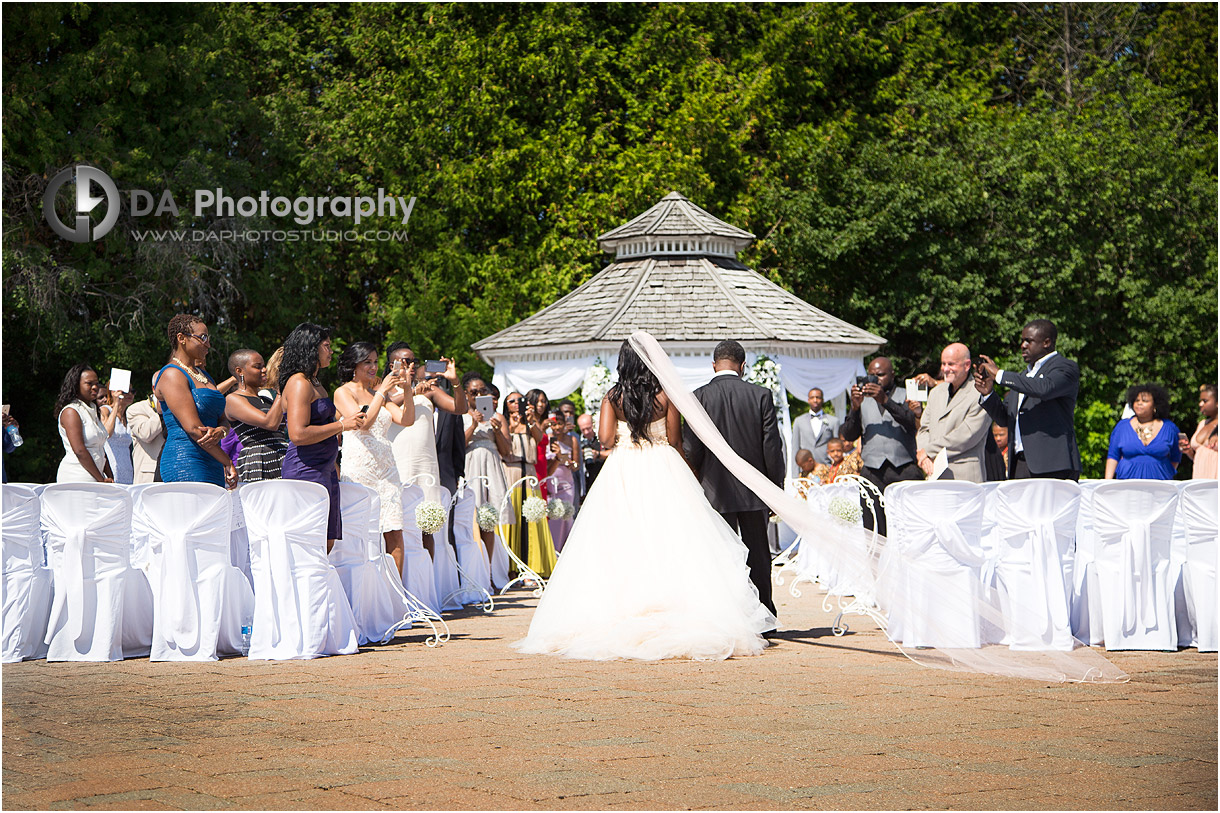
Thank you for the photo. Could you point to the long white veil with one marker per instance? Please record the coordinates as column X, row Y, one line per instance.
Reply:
column 865, row 560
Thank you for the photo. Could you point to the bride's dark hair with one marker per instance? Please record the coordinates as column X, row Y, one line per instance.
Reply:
column 635, row 394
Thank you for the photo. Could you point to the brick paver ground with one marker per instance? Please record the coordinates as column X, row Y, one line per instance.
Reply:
column 816, row 722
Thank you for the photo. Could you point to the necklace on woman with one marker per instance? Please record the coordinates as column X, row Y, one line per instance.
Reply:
column 1145, row 431
column 202, row 379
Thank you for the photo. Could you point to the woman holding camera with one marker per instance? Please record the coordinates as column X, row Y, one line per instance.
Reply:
column 523, row 432
column 415, row 445
column 368, row 456
column 1144, row 447
column 486, row 447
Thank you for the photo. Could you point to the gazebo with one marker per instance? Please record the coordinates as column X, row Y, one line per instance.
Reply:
column 676, row 275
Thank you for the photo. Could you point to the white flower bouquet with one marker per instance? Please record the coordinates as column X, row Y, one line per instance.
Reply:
column 487, row 516
column 765, row 373
column 534, row 509
column 598, row 381
column 429, row 516
column 557, row 508
column 845, row 511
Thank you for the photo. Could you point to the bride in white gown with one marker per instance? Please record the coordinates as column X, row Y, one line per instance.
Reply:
column 650, row 570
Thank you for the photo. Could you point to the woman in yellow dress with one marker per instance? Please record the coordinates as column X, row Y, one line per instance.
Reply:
column 523, row 432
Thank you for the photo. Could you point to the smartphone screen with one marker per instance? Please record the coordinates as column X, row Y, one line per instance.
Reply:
column 486, row 405
column 435, row 366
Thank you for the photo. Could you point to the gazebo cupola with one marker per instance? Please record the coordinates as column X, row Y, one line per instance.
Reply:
column 674, row 226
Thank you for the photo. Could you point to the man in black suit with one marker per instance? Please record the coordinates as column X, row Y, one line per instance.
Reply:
column 745, row 414
column 1039, row 408
column 450, row 443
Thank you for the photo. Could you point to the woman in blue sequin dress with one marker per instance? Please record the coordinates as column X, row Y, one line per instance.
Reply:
column 193, row 410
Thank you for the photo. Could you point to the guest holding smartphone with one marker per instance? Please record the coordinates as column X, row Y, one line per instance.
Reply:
column 486, row 448
column 368, row 455
column 1201, row 446
column 415, row 445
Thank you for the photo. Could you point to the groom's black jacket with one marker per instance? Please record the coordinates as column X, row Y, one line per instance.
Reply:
column 745, row 414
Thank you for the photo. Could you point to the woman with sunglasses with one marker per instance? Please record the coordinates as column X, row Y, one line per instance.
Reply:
column 523, row 432
column 415, row 445
column 193, row 409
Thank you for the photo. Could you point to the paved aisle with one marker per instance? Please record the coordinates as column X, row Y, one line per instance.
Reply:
column 817, row 722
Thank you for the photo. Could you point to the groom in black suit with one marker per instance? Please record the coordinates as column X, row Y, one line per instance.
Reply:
column 745, row 414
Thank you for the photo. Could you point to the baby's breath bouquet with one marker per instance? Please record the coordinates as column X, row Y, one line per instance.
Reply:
column 559, row 509
column 486, row 516
column 845, row 511
column 534, row 509
column 429, row 516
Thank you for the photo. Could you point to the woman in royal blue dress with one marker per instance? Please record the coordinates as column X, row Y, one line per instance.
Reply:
column 313, row 427
column 1145, row 446
column 193, row 410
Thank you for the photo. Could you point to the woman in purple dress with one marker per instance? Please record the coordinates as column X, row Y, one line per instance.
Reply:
column 1145, row 447
column 313, row 431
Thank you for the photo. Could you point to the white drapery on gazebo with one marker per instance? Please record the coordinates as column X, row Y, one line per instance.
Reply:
column 676, row 275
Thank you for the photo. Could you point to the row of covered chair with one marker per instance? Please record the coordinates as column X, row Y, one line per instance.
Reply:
column 179, row 571
column 1128, row 564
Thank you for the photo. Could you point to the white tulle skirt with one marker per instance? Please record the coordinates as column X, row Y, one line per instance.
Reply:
column 650, row 571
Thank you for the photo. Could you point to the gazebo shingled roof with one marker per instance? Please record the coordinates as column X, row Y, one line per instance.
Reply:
column 676, row 275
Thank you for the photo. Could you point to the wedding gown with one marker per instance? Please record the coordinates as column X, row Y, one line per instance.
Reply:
column 650, row 570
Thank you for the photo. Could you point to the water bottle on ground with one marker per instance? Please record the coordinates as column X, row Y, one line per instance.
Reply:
column 247, row 627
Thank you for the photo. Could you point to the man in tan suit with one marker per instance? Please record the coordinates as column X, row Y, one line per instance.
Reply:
column 144, row 423
column 954, row 421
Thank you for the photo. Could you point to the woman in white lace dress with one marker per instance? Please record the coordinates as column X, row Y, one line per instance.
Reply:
column 368, row 456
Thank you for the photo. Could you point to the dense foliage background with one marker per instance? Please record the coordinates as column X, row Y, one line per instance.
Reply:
column 928, row 172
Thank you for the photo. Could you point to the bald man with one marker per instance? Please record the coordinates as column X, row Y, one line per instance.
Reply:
column 954, row 421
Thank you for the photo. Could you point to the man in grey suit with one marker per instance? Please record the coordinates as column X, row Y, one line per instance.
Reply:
column 745, row 414
column 814, row 429
column 1040, row 407
column 954, row 422
column 886, row 426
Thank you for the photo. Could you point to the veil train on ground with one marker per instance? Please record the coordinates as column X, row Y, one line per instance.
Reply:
column 853, row 553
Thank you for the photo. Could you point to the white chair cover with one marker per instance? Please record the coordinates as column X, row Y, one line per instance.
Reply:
column 239, row 540
column 102, row 608
column 1035, row 528
column 1177, row 575
column 141, row 553
column 809, row 564
column 369, row 575
column 471, row 553
column 300, row 609
column 201, row 600
column 1133, row 523
column 444, row 560
column 416, row 563
column 938, row 527
column 27, row 581
column 1197, row 508
column 1086, row 595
